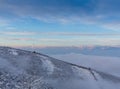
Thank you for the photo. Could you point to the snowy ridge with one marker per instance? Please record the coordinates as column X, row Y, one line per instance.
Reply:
column 20, row 69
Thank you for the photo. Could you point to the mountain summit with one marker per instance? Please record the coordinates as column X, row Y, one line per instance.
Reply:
column 20, row 69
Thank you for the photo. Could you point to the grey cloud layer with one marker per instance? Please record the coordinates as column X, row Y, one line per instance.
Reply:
column 12, row 33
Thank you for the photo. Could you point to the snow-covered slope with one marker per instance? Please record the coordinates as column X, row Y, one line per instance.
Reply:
column 21, row 69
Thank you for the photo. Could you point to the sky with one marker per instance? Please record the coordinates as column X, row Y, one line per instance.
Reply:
column 43, row 23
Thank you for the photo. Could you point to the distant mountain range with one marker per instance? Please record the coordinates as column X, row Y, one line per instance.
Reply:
column 97, row 50
column 20, row 69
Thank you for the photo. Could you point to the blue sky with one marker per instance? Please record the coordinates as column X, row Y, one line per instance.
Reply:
column 42, row 23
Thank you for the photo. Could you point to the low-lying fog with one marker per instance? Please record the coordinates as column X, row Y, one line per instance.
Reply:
column 109, row 65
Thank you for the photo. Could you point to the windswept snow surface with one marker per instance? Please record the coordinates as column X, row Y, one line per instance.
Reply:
column 31, row 70
column 48, row 65
column 13, row 52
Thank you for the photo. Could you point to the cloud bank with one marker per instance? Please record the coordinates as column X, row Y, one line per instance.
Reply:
column 106, row 64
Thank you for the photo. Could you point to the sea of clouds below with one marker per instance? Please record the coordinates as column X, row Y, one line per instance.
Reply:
column 105, row 64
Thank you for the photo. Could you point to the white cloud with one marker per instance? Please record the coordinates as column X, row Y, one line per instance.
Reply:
column 112, row 26
column 16, row 33
column 109, row 65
